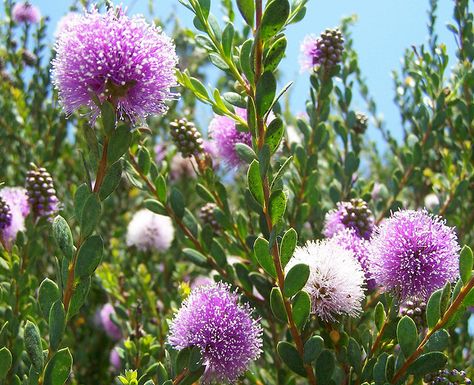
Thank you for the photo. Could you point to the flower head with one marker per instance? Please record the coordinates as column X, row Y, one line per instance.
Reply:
column 16, row 200
column 336, row 279
column 114, row 359
column 25, row 12
column 117, row 58
column 213, row 320
column 66, row 23
column 110, row 327
column 414, row 254
column 354, row 214
column 41, row 193
column 148, row 231
column 325, row 50
column 349, row 239
column 225, row 134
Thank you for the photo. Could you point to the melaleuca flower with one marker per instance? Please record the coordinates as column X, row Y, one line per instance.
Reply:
column 117, row 58
column 325, row 50
column 160, row 152
column 41, row 193
column 336, row 279
column 182, row 168
column 213, row 320
column 12, row 215
column 223, row 131
column 25, row 12
column 431, row 201
column 109, row 326
column 114, row 359
column 65, row 23
column 361, row 123
column 148, row 231
column 349, row 239
column 354, row 214
column 414, row 254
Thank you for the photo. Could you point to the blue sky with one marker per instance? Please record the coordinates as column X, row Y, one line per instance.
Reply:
column 383, row 31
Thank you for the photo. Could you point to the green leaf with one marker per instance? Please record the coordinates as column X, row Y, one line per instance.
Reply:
column 277, row 206
column 82, row 193
column 246, row 153
column 58, row 369
column 291, row 358
column 433, row 313
column 227, row 39
column 274, row 134
column 277, row 305
column 218, row 61
column 90, row 215
column 265, row 93
column 354, row 355
column 89, row 256
column 177, row 202
column 57, row 324
column 275, row 54
column 264, row 160
column 119, row 143
column 111, row 180
column 263, row 256
column 427, row 363
column 351, row 164
column 33, row 346
column 465, row 264
column 301, row 309
column 245, row 59
column 108, row 117
column 5, row 362
column 379, row 369
column 79, row 296
column 48, row 293
column 281, row 171
column 160, row 185
column 274, row 18
column 255, row 182
column 63, row 236
column 439, row 341
column 218, row 253
column 295, row 279
column 287, row 246
column 379, row 315
column 235, row 99
column 247, row 10
column 155, row 206
column 313, row 348
column 243, row 275
column 325, row 365
column 407, row 335
column 196, row 257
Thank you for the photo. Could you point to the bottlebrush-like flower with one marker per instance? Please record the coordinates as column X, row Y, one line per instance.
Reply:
column 25, row 12
column 41, row 193
column 110, row 328
column 117, row 58
column 223, row 131
column 325, row 50
column 148, row 231
column 336, row 279
column 349, row 239
column 354, row 214
column 414, row 254
column 213, row 320
column 13, row 220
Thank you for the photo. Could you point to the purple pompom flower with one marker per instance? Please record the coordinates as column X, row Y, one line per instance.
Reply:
column 114, row 359
column 349, row 239
column 18, row 209
column 223, row 131
column 148, row 231
column 117, row 58
column 25, row 12
column 213, row 320
column 336, row 279
column 110, row 328
column 354, row 214
column 66, row 23
column 414, row 254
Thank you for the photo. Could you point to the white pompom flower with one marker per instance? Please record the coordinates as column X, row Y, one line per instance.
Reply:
column 148, row 231
column 336, row 279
